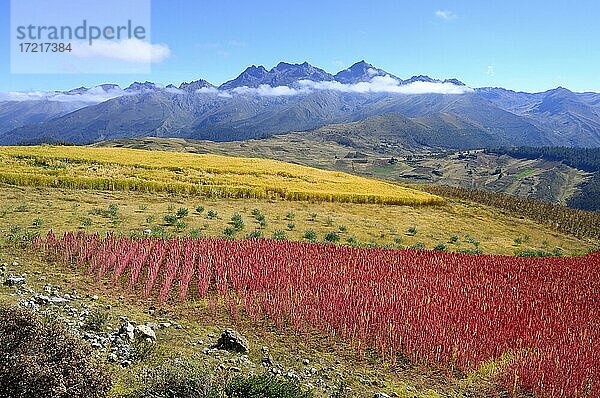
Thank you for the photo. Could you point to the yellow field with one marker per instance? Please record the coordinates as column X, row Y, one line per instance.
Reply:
column 119, row 169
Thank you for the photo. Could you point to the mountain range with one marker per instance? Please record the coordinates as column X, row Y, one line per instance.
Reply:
column 362, row 104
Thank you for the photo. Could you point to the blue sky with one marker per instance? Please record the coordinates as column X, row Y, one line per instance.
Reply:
column 522, row 45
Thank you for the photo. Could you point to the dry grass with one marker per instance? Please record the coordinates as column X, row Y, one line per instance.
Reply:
column 476, row 226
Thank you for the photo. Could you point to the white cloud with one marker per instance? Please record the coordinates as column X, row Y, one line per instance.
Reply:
column 129, row 50
column 446, row 15
column 213, row 91
column 371, row 72
column 94, row 95
column 491, row 71
column 387, row 84
column 264, row 90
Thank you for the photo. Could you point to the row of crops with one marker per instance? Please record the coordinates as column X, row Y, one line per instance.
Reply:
column 539, row 319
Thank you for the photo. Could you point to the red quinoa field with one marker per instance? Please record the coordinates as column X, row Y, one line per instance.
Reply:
column 541, row 315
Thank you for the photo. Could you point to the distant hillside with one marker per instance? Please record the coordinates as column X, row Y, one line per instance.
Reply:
column 588, row 159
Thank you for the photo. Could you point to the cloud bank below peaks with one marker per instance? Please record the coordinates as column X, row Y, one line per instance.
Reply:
column 378, row 84
column 92, row 95
column 387, row 84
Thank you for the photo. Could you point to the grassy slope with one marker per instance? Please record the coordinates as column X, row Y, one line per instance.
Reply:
column 63, row 210
column 129, row 169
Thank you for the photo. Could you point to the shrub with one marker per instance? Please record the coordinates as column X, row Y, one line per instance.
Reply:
column 264, row 386
column 195, row 233
column 255, row 234
column 199, row 209
column 158, row 232
column 182, row 212
column 310, row 235
column 212, row 214
column 170, row 219
column 332, row 237
column 175, row 379
column 329, row 222
column 291, row 226
column 312, row 217
column 86, row 222
column 113, row 211
column 472, row 240
column 418, row 246
column 256, row 213
column 290, row 215
column 180, row 226
column 440, row 246
column 37, row 222
column 343, row 228
column 42, row 360
column 237, row 221
column 453, row 239
column 279, row 235
column 229, row 232
column 412, row 231
column 518, row 240
column 262, row 223
column 351, row 240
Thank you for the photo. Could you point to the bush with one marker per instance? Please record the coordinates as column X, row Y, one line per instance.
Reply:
column 291, row 226
column 264, row 386
column 329, row 222
column 453, row 239
column 412, row 231
column 176, row 379
column 343, row 228
column 255, row 234
column 237, row 221
column 43, row 360
column 212, row 214
column 290, row 215
column 440, row 246
column 418, row 246
column 195, row 233
column 279, row 235
column 312, row 217
column 199, row 209
column 182, row 212
column 229, row 232
column 170, row 219
column 310, row 235
column 332, row 237
column 256, row 213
